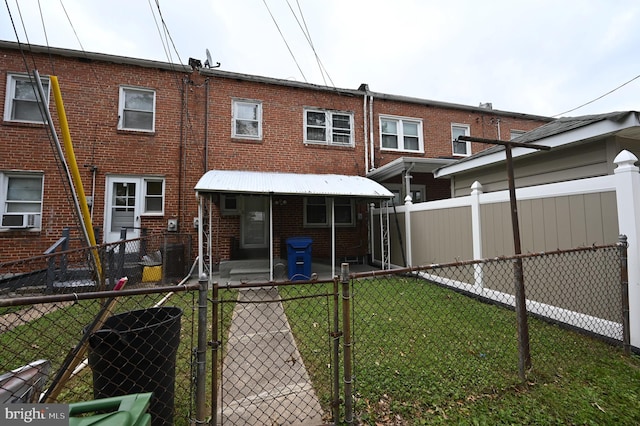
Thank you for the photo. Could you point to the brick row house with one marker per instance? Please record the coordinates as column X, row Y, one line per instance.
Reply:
column 145, row 133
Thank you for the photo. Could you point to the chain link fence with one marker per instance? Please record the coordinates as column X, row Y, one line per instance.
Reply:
column 71, row 332
column 382, row 347
column 429, row 338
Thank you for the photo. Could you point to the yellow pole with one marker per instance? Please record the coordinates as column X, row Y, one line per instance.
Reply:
column 75, row 173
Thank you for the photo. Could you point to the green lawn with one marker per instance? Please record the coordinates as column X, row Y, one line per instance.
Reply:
column 422, row 355
column 427, row 355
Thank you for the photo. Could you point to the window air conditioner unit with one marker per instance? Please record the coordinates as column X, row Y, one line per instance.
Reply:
column 20, row 221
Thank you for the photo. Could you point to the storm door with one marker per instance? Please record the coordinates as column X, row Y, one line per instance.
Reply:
column 123, row 209
column 254, row 227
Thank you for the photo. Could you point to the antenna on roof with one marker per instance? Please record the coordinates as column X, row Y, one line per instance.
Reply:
column 208, row 62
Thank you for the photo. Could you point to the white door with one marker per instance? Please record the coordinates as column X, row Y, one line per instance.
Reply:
column 122, row 207
column 255, row 222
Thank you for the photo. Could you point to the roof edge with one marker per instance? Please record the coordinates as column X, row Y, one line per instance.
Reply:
column 72, row 53
column 362, row 90
column 609, row 124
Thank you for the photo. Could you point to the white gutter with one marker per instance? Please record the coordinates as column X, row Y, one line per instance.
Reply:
column 366, row 133
column 371, row 141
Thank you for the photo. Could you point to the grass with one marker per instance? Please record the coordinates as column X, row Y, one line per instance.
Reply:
column 422, row 355
column 427, row 355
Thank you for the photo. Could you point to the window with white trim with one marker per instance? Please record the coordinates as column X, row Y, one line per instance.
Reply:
column 317, row 212
column 137, row 109
column 21, row 102
column 401, row 134
column 462, row 148
column 247, row 119
column 21, row 198
column 328, row 127
column 153, row 197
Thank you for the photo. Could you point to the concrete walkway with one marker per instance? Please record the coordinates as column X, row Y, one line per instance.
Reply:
column 264, row 380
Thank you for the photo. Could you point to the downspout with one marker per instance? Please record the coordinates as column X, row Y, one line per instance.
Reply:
column 183, row 99
column 407, row 180
column 366, row 132
column 206, row 126
column 373, row 165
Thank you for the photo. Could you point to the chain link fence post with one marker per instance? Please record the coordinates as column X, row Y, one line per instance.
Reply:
column 201, row 361
column 524, row 354
column 346, row 324
column 335, row 336
column 623, row 244
column 215, row 345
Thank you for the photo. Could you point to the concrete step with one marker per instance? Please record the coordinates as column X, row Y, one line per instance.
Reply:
column 249, row 274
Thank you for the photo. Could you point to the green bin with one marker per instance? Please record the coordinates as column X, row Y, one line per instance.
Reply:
column 126, row 410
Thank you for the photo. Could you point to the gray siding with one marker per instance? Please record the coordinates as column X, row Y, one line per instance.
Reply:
column 578, row 161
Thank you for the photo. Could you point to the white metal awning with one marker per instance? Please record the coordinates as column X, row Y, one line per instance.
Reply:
column 274, row 183
column 247, row 182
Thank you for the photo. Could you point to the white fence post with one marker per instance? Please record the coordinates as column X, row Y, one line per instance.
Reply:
column 628, row 202
column 476, row 231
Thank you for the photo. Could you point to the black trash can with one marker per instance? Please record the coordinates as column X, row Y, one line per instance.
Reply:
column 135, row 352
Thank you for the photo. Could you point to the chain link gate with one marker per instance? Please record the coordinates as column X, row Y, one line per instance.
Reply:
column 275, row 349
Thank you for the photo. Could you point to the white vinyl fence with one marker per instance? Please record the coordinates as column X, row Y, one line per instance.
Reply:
column 561, row 215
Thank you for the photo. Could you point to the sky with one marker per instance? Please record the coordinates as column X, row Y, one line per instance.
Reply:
column 542, row 57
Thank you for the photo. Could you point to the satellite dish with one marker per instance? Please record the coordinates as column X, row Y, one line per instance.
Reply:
column 209, row 62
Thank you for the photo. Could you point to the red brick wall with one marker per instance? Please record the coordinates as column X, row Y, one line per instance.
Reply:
column 193, row 126
column 436, row 126
column 90, row 92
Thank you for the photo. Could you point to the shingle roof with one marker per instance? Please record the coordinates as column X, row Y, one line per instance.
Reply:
column 556, row 127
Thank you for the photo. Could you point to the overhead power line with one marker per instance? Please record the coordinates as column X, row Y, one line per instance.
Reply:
column 307, row 35
column 72, row 27
column 598, row 98
column 285, row 40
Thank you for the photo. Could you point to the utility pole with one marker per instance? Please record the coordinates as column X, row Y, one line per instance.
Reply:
column 524, row 354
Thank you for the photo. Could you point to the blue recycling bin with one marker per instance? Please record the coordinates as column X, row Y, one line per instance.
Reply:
column 299, row 258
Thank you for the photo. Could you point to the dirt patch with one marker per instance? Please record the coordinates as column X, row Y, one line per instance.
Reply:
column 24, row 316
